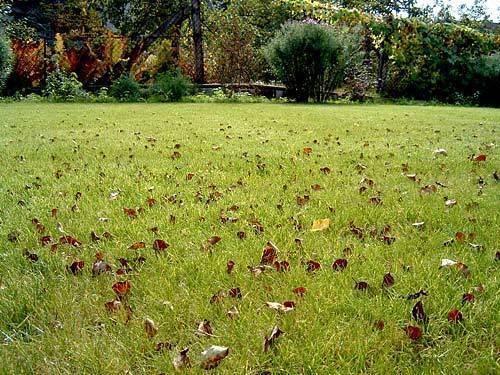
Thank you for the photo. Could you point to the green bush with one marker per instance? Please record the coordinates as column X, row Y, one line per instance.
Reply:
column 486, row 79
column 5, row 60
column 126, row 89
column 310, row 59
column 61, row 85
column 171, row 87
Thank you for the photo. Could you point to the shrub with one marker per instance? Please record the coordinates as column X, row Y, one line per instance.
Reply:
column 5, row 60
column 310, row 59
column 171, row 87
column 126, row 89
column 486, row 79
column 61, row 85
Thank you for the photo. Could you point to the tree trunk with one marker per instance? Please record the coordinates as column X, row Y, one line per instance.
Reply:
column 199, row 66
column 146, row 42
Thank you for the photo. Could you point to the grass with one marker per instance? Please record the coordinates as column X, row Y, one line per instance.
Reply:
column 71, row 157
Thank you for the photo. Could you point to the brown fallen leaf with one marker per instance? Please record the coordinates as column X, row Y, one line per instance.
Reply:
column 212, row 356
column 388, row 280
column 455, row 316
column 312, row 266
column 467, row 298
column 418, row 313
column 99, row 266
column 428, row 189
column 233, row 312
column 361, row 285
column 460, row 236
column 339, row 264
column 413, row 332
column 70, row 241
column 269, row 254
column 150, row 328
column 270, row 340
column 130, row 212
column 160, row 245
column 113, row 306
column 481, row 157
column 300, row 291
column 182, row 361
column 204, row 328
column 76, row 267
column 320, row 224
column 316, row 187
column 121, row 288
column 230, row 266
column 379, row 324
column 213, row 240
column 32, row 257
column 307, row 150
column 137, row 246
column 302, row 200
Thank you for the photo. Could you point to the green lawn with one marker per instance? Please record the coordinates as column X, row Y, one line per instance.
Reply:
column 250, row 163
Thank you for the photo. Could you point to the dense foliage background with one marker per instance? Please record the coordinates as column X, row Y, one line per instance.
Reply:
column 407, row 51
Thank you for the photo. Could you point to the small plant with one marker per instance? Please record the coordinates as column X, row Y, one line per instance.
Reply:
column 126, row 89
column 310, row 59
column 171, row 87
column 63, row 86
column 5, row 60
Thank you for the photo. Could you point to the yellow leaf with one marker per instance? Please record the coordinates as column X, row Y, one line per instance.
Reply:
column 320, row 224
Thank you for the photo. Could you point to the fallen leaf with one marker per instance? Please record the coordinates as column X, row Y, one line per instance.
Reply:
column 113, row 195
column 218, row 297
column 130, row 212
column 339, row 264
column 281, row 306
column 32, row 257
column 361, row 285
column 440, row 151
column 204, row 328
column 182, row 361
column 312, row 266
column 137, row 246
column 467, row 298
column 213, row 240
column 150, row 202
column 413, row 332
column 212, row 356
column 76, row 267
column 113, row 306
column 121, row 288
column 450, row 203
column 233, row 312
column 418, row 313
column 160, row 245
column 320, row 224
column 69, row 240
column 230, row 266
column 481, row 157
column 388, row 280
column 269, row 254
column 150, row 328
column 420, row 293
column 307, row 150
column 428, row 189
column 316, row 187
column 418, row 225
column 269, row 340
column 99, row 266
column 460, row 236
column 379, row 324
column 300, row 291
column 455, row 316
